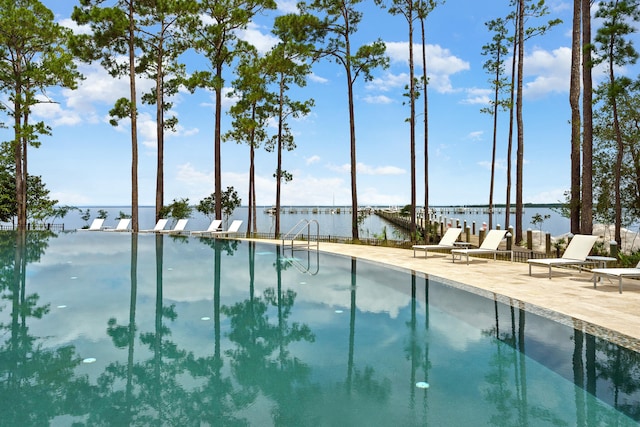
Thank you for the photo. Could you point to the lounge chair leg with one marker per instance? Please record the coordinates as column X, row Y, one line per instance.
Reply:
column 549, row 272
column 529, row 269
column 620, row 284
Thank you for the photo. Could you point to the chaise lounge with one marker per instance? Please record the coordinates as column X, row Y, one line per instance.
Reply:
column 96, row 225
column 162, row 222
column 446, row 243
column 214, row 226
column 123, row 225
column 178, row 229
column 489, row 246
column 233, row 229
column 620, row 273
column 576, row 253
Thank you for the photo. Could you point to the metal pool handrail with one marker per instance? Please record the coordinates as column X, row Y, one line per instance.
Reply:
column 298, row 230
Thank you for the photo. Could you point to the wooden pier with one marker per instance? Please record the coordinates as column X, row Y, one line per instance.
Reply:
column 305, row 210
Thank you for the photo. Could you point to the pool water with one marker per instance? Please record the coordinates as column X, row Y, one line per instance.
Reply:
column 117, row 329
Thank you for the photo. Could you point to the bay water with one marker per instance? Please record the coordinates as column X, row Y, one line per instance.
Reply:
column 332, row 221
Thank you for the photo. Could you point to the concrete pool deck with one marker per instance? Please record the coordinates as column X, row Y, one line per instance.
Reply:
column 569, row 292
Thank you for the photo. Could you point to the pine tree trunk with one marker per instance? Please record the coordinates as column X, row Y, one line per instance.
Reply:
column 216, row 146
column 412, row 125
column 134, row 123
column 586, row 216
column 160, row 136
column 425, row 112
column 574, row 102
column 520, row 125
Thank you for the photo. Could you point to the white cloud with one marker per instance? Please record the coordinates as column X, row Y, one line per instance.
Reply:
column 189, row 175
column 74, row 107
column 475, row 136
column 398, row 51
column 207, row 19
column 476, row 100
column 549, row 196
column 318, row 190
column 378, row 99
column 559, row 6
column 192, row 183
column 550, row 72
column 477, row 96
column 442, row 152
column 147, row 130
column 388, row 82
column 364, row 169
column 545, row 72
column 380, row 170
column 374, row 196
column 227, row 101
column 441, row 63
column 73, row 26
column 303, row 190
column 53, row 113
column 263, row 42
column 181, row 131
column 500, row 164
column 311, row 160
column 97, row 90
column 288, row 6
column 317, row 79
column 97, row 86
column 70, row 198
column 345, row 168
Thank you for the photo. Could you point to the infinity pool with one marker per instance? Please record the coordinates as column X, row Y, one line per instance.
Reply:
column 113, row 329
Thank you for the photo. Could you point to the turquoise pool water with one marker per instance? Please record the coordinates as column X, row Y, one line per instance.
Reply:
column 114, row 329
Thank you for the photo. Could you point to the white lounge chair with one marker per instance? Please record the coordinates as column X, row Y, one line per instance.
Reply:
column 214, row 226
column 445, row 243
column 576, row 254
column 123, row 225
column 233, row 229
column 489, row 246
column 159, row 226
column 620, row 273
column 96, row 225
column 178, row 229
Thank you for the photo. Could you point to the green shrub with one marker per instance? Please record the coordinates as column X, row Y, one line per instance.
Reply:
column 629, row 260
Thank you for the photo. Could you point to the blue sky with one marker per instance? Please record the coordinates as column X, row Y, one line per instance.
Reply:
column 88, row 162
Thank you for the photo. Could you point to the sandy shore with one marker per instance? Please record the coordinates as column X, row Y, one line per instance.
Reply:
column 630, row 238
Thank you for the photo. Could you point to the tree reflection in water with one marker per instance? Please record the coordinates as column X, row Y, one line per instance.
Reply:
column 507, row 381
column 261, row 361
column 264, row 349
column 417, row 350
column 37, row 383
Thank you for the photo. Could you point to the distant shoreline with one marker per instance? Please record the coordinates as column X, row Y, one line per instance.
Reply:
column 496, row 205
